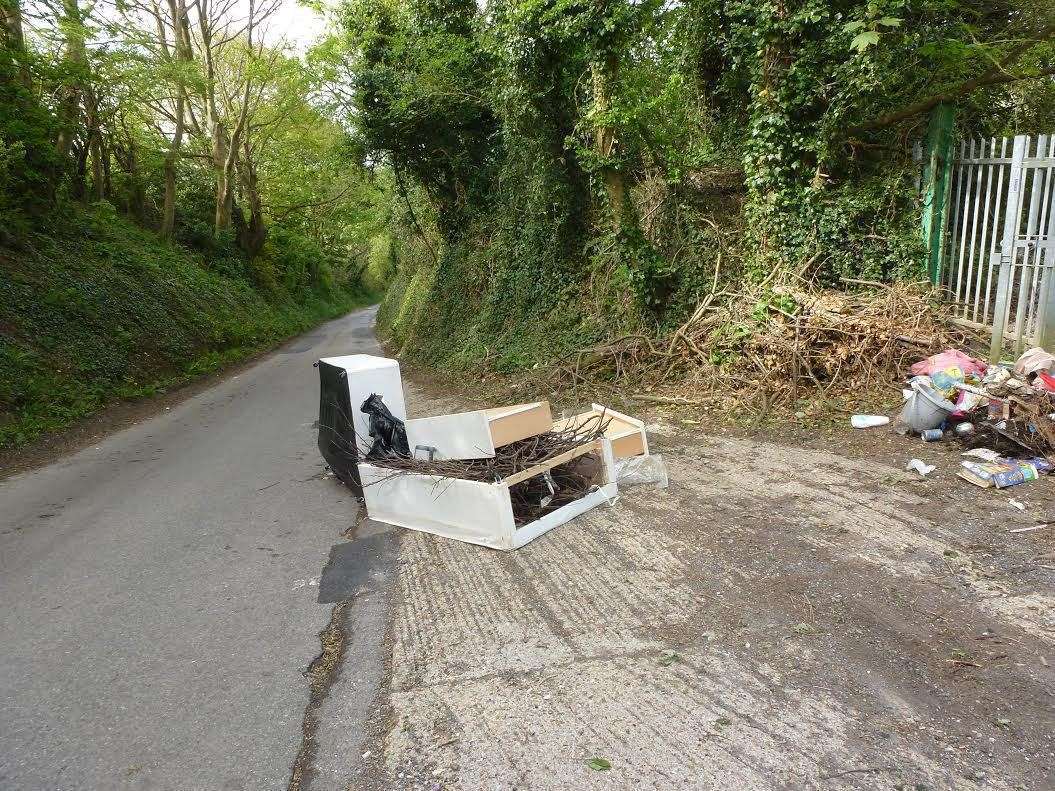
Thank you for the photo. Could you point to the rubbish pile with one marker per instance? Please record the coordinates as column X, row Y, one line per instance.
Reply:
column 1003, row 415
column 497, row 477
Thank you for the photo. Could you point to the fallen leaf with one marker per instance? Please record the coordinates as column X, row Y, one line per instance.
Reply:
column 599, row 764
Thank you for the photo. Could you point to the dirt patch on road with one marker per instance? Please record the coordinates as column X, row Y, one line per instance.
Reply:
column 781, row 617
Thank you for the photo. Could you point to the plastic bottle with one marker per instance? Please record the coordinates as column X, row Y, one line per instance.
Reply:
column 868, row 421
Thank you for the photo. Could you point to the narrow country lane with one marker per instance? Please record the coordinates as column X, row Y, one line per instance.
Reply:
column 160, row 596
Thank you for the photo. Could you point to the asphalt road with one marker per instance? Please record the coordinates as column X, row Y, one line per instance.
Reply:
column 160, row 593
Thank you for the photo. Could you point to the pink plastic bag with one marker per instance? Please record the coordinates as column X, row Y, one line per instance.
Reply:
column 950, row 358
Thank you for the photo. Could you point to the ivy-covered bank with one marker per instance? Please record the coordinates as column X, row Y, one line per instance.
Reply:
column 569, row 171
column 99, row 310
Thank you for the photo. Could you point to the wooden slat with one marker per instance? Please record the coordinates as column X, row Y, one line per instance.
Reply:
column 526, row 420
column 549, row 464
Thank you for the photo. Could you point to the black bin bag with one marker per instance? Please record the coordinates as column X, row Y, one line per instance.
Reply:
column 337, row 442
column 387, row 431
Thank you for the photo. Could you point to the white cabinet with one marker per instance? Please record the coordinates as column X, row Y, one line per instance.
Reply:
column 367, row 374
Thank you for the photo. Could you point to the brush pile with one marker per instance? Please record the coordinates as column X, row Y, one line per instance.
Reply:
column 508, row 459
column 779, row 343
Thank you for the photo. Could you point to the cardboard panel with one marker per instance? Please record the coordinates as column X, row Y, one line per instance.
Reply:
column 465, row 435
column 509, row 424
column 479, row 513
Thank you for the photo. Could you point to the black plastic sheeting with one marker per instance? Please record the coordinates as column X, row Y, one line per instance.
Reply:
column 387, row 431
column 337, row 441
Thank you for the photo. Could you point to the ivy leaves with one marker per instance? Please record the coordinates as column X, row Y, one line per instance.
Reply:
column 870, row 37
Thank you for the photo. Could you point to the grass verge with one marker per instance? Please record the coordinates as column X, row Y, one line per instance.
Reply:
column 100, row 310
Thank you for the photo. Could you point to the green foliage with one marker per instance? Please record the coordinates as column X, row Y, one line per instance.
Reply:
column 645, row 154
column 28, row 164
column 101, row 310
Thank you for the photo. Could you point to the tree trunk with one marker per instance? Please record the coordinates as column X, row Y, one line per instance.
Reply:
column 95, row 145
column 14, row 39
column 184, row 55
column 71, row 92
column 604, row 137
column 78, row 185
column 255, row 233
column 137, row 199
column 224, row 194
column 168, row 209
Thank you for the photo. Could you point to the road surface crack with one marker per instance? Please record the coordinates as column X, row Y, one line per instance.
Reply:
column 321, row 674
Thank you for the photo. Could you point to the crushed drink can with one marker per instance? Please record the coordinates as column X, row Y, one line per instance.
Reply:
column 932, row 435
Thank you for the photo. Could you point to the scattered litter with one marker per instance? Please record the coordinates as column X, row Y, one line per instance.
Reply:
column 1045, row 382
column 1003, row 472
column 1021, row 506
column 1032, row 362
column 985, row 454
column 952, row 362
column 1034, row 527
column 869, row 421
column 1004, row 419
column 920, row 466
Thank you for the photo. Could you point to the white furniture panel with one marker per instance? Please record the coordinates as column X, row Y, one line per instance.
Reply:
column 475, row 435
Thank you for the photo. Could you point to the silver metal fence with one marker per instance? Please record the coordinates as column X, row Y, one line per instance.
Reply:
column 999, row 266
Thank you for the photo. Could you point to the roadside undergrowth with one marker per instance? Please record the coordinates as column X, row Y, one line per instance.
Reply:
column 99, row 310
column 781, row 349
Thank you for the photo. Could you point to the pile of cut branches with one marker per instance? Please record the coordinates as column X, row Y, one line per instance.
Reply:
column 536, row 496
column 508, row 459
column 777, row 343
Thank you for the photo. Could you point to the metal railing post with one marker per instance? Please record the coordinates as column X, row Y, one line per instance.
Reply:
column 937, row 179
column 1012, row 216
